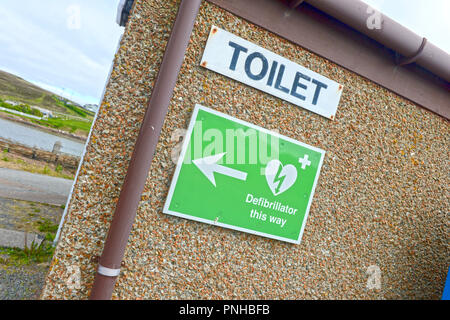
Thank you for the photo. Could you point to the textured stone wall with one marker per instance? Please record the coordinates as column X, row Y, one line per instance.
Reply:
column 382, row 197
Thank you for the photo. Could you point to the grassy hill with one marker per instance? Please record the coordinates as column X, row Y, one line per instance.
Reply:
column 66, row 115
column 17, row 89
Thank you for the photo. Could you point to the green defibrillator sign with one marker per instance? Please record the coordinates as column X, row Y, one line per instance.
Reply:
column 233, row 174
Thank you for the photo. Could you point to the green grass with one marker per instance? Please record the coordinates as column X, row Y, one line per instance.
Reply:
column 5, row 158
column 69, row 125
column 19, row 164
column 71, row 107
column 78, row 111
column 29, row 255
column 34, row 253
column 47, row 226
column 46, row 170
column 24, row 108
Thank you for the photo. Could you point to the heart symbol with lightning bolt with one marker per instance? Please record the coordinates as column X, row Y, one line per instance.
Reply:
column 280, row 178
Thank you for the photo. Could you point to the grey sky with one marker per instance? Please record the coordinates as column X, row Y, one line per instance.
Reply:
column 48, row 43
column 45, row 42
column 427, row 18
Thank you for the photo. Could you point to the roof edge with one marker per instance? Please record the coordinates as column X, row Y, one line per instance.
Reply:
column 334, row 40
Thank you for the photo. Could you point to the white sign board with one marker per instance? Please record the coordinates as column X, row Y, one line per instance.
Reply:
column 262, row 69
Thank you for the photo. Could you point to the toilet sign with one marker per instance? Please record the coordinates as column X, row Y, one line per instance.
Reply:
column 236, row 175
column 262, row 69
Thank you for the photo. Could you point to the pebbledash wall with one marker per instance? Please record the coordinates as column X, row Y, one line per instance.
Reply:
column 382, row 198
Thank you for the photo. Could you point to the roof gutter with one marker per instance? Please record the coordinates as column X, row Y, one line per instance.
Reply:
column 141, row 159
column 360, row 16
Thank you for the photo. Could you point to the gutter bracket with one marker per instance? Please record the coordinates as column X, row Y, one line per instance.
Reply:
column 401, row 61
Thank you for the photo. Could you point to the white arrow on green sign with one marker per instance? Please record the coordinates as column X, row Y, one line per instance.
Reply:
column 236, row 175
column 208, row 165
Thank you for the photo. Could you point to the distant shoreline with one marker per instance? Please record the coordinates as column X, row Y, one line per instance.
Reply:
column 47, row 129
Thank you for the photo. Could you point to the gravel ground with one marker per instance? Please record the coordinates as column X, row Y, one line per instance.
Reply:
column 21, row 282
column 382, row 198
column 23, row 215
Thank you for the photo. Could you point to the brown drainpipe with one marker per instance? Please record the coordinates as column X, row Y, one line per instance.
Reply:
column 130, row 195
column 390, row 33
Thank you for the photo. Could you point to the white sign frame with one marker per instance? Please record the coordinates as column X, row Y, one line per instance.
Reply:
column 246, row 62
column 185, row 145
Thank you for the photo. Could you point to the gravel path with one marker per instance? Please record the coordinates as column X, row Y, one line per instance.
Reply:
column 18, row 282
column 23, row 282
